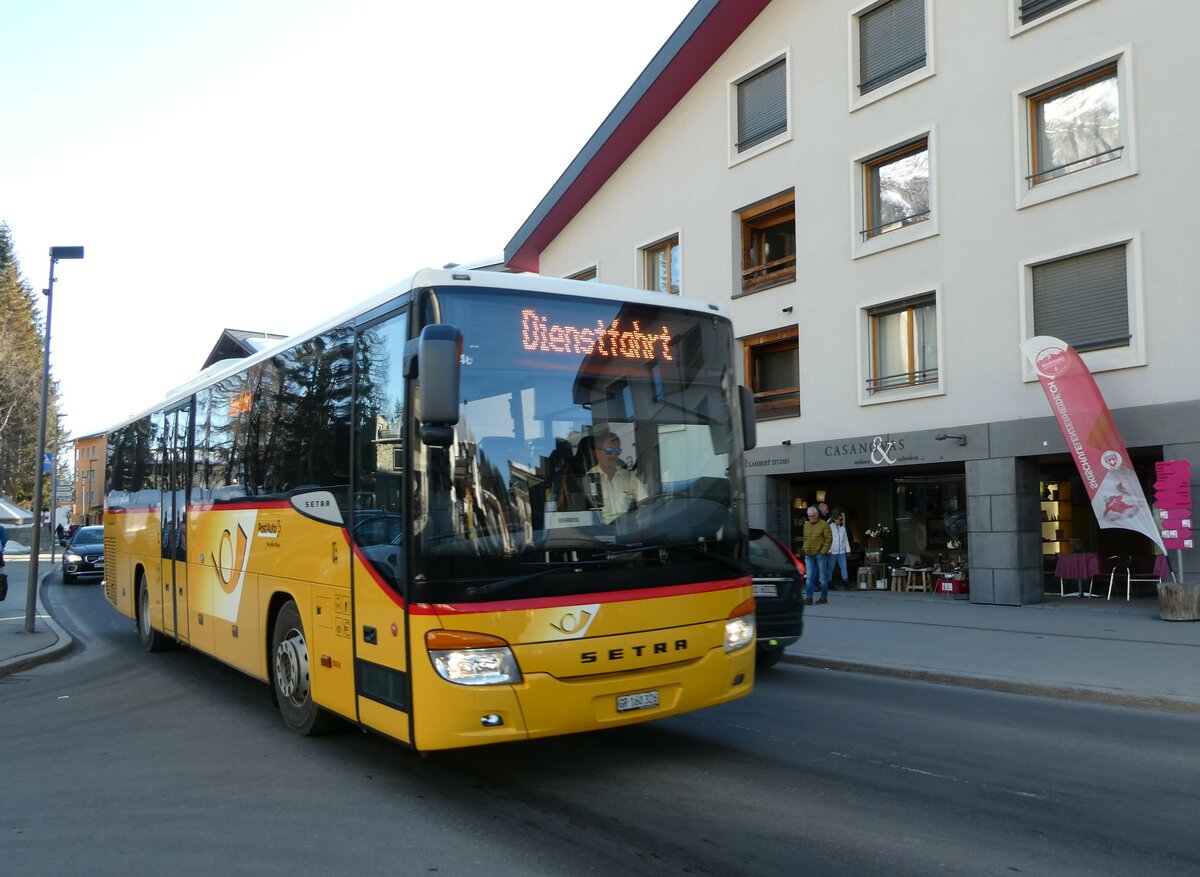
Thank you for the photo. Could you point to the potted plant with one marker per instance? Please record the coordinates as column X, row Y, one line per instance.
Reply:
column 875, row 536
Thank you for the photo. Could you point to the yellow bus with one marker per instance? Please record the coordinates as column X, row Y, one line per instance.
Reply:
column 480, row 507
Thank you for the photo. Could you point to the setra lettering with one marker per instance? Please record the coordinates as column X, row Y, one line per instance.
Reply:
column 621, row 653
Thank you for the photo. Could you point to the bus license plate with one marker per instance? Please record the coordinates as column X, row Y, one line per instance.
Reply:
column 640, row 701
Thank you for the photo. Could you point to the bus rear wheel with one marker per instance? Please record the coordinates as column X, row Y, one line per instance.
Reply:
column 291, row 677
column 152, row 640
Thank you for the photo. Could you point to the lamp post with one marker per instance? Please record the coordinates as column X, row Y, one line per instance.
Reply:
column 56, row 253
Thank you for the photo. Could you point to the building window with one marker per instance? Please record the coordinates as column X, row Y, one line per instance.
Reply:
column 772, row 368
column 762, row 105
column 662, row 266
column 903, row 343
column 587, row 275
column 1031, row 10
column 769, row 242
column 1075, row 125
column 891, row 42
column 1084, row 299
column 896, row 189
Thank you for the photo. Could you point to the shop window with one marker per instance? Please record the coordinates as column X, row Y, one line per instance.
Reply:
column 662, row 266
column 903, row 344
column 931, row 516
column 772, row 368
column 769, row 243
column 1058, row 530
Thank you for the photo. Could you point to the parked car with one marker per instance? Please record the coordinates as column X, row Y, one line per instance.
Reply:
column 84, row 555
column 778, row 577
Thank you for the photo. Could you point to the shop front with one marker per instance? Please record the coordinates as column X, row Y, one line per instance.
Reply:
column 904, row 497
column 1009, row 526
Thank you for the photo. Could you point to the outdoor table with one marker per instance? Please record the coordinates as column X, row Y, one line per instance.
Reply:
column 1080, row 566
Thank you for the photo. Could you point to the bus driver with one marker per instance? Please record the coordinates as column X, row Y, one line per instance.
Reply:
column 620, row 489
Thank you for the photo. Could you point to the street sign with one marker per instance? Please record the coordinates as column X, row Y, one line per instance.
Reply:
column 1173, row 496
column 47, row 463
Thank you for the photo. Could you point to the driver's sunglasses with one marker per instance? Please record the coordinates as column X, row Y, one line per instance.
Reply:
column 611, row 451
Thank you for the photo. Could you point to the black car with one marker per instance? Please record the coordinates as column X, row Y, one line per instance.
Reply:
column 778, row 578
column 84, row 555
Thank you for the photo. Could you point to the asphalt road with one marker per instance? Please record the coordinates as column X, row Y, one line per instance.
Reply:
column 114, row 761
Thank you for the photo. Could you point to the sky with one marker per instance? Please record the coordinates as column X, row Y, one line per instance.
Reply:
column 264, row 165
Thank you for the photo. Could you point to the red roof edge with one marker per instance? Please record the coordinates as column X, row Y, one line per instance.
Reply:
column 694, row 54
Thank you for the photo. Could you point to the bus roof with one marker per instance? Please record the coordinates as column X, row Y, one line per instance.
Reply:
column 422, row 279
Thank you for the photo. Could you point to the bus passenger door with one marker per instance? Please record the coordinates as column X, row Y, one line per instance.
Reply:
column 380, row 485
column 175, row 485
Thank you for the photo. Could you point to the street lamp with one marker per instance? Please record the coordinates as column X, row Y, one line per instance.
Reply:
column 35, row 546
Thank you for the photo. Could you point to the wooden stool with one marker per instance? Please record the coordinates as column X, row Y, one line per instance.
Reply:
column 866, row 579
column 918, row 578
column 899, row 577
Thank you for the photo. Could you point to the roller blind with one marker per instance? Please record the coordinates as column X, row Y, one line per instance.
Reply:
column 762, row 105
column 778, row 370
column 1084, row 300
column 891, row 42
column 1031, row 9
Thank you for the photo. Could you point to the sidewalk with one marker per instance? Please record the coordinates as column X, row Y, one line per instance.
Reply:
column 20, row 650
column 1114, row 652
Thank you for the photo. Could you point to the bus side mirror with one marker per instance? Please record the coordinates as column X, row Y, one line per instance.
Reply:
column 435, row 358
column 749, row 424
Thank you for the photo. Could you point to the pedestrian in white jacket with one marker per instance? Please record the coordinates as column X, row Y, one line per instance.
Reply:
column 840, row 547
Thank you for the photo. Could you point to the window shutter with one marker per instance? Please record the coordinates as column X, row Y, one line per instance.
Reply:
column 762, row 106
column 1031, row 9
column 778, row 370
column 1083, row 299
column 891, row 42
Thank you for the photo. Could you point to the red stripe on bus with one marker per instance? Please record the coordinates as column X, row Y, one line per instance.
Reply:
column 574, row 599
column 239, row 506
column 370, row 568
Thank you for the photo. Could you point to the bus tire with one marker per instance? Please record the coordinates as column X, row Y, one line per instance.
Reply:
column 291, row 677
column 152, row 640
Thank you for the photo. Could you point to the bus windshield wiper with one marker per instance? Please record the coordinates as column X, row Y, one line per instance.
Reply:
column 692, row 548
column 512, row 581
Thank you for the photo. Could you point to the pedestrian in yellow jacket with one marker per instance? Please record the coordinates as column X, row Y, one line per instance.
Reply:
column 816, row 540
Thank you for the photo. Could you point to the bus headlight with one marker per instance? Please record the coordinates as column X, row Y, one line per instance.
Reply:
column 739, row 627
column 472, row 658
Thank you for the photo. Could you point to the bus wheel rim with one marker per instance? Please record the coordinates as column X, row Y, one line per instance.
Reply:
column 291, row 667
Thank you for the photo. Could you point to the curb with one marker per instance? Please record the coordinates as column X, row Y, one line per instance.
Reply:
column 1008, row 686
column 63, row 645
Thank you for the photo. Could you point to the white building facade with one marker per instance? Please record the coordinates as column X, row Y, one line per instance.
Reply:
column 890, row 197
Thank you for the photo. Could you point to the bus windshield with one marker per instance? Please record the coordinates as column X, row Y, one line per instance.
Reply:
column 595, row 450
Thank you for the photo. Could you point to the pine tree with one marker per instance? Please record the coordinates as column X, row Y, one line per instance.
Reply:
column 21, row 357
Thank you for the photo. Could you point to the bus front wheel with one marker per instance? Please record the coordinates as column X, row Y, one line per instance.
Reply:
column 291, row 677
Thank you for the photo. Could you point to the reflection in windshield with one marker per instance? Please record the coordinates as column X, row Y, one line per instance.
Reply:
column 591, row 435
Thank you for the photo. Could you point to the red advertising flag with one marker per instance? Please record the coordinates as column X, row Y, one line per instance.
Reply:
column 1092, row 438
